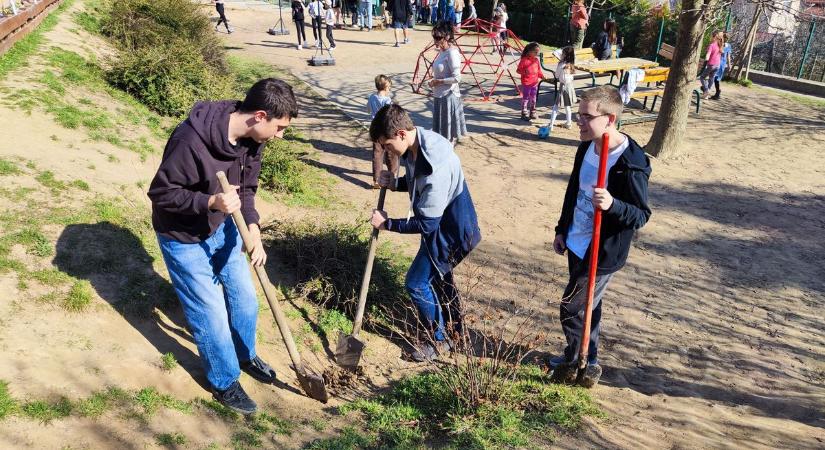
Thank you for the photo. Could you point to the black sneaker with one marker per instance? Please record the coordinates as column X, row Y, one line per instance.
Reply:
column 428, row 352
column 259, row 370
column 591, row 376
column 235, row 399
column 715, row 97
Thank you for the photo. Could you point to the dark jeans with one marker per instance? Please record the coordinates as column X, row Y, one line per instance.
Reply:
column 329, row 36
column 316, row 28
column 222, row 16
column 302, row 32
column 436, row 300
column 571, row 311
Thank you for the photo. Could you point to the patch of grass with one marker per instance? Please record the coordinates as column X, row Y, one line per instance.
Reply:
column 222, row 411
column 49, row 277
column 45, row 412
column 8, row 405
column 168, row 362
column 35, row 242
column 80, row 184
column 745, row 82
column 75, row 69
column 68, row 116
column 329, row 259
column 52, row 82
column 318, row 425
column 99, row 402
column 19, row 53
column 170, row 439
column 89, row 22
column 284, row 171
column 350, row 439
column 150, row 400
column 422, row 407
column 48, row 180
column 332, row 321
column 79, row 297
column 245, row 439
column 8, row 167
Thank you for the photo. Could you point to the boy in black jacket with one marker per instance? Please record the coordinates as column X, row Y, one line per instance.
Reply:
column 198, row 239
column 624, row 210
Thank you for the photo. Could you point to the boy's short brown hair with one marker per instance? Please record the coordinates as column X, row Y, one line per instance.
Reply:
column 388, row 120
column 382, row 82
column 607, row 99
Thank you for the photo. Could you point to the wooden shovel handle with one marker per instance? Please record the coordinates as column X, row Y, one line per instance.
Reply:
column 270, row 292
column 365, row 282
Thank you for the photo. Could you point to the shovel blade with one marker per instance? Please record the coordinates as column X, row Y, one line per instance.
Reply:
column 313, row 385
column 348, row 352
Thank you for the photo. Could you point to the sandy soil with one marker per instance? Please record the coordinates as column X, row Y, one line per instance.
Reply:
column 712, row 334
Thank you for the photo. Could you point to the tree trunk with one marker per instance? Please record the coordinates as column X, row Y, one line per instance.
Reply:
column 493, row 11
column 672, row 121
column 747, row 45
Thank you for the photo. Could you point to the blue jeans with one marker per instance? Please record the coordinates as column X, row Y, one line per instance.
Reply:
column 433, row 14
column 214, row 285
column 437, row 300
column 365, row 14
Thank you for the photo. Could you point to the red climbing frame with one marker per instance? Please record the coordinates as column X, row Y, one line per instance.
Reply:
column 484, row 58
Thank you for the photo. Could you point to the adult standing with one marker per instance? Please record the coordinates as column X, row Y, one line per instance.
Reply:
column 336, row 10
column 400, row 12
column 448, row 111
column 199, row 241
column 459, row 11
column 316, row 12
column 365, row 14
column 298, row 11
column 219, row 7
column 578, row 23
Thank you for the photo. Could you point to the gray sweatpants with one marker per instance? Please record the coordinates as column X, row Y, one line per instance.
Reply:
column 571, row 311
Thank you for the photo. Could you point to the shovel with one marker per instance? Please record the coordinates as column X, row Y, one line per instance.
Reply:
column 311, row 383
column 349, row 349
column 594, row 263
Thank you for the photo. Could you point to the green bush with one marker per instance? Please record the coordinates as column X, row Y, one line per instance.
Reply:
column 169, row 57
column 169, row 79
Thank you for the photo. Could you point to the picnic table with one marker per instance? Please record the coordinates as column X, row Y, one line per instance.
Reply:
column 596, row 67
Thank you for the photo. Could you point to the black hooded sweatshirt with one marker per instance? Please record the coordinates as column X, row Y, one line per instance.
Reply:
column 199, row 148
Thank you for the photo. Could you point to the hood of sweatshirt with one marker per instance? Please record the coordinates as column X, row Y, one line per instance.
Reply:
column 210, row 120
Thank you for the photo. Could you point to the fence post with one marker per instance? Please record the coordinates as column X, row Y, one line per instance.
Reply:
column 807, row 48
column 770, row 58
column 727, row 22
column 813, row 67
column 659, row 42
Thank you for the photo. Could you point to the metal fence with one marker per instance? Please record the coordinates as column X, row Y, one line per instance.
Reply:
column 799, row 55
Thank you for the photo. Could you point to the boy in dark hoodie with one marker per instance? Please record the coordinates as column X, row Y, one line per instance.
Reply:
column 441, row 211
column 199, row 241
column 624, row 210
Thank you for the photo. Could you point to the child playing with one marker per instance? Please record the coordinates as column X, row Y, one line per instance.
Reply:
column 564, row 73
column 529, row 68
column 712, row 60
column 441, row 212
column 623, row 202
column 377, row 101
column 723, row 64
column 329, row 19
column 495, row 38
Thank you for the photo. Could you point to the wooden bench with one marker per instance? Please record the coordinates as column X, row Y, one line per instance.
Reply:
column 653, row 81
column 549, row 62
column 666, row 51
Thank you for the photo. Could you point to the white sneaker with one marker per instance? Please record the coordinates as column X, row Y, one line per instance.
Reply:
column 298, row 46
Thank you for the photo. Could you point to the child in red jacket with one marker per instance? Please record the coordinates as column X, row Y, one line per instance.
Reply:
column 530, row 70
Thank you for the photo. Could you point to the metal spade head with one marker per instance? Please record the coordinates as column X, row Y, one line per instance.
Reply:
column 348, row 352
column 313, row 385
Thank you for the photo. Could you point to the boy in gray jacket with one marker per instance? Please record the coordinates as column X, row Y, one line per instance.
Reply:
column 441, row 211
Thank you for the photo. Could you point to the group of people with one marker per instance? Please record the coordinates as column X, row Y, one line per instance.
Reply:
column 203, row 252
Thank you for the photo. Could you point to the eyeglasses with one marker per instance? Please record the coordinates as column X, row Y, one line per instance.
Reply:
column 582, row 118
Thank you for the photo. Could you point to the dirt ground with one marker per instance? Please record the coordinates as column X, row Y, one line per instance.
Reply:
column 712, row 335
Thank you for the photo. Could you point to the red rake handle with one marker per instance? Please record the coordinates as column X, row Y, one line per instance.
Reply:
column 594, row 255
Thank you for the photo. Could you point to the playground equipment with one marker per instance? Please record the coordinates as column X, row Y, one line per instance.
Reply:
column 279, row 29
column 485, row 56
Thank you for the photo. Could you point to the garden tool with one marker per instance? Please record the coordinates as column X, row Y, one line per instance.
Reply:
column 350, row 347
column 594, row 263
column 311, row 383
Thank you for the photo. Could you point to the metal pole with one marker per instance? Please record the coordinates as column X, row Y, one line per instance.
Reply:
column 770, row 58
column 659, row 42
column 530, row 26
column 807, row 48
column 567, row 28
column 727, row 22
